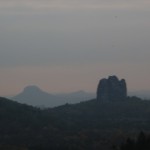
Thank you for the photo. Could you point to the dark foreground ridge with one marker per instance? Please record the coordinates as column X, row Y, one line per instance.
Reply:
column 83, row 126
column 111, row 89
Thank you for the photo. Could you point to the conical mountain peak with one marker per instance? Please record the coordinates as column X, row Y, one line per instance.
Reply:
column 32, row 88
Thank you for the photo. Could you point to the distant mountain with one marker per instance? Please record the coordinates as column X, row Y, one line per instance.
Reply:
column 76, row 97
column 33, row 95
column 142, row 94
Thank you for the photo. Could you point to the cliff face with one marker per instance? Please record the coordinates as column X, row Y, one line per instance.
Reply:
column 111, row 89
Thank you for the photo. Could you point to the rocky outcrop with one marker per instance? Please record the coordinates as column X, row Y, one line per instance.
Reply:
column 111, row 89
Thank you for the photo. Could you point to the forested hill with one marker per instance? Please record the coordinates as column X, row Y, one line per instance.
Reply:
column 87, row 125
column 132, row 114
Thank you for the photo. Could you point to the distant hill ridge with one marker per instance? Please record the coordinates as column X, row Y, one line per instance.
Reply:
column 110, row 89
column 33, row 95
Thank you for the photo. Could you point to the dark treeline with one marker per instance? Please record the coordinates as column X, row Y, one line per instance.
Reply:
column 84, row 126
column 142, row 142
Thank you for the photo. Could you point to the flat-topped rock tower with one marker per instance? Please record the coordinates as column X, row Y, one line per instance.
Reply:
column 111, row 89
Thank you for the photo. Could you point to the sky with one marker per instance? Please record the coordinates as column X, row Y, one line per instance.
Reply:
column 69, row 45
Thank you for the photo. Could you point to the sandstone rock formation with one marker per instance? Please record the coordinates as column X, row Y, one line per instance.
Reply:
column 111, row 89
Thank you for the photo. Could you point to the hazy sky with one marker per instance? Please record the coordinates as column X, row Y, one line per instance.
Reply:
column 69, row 45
